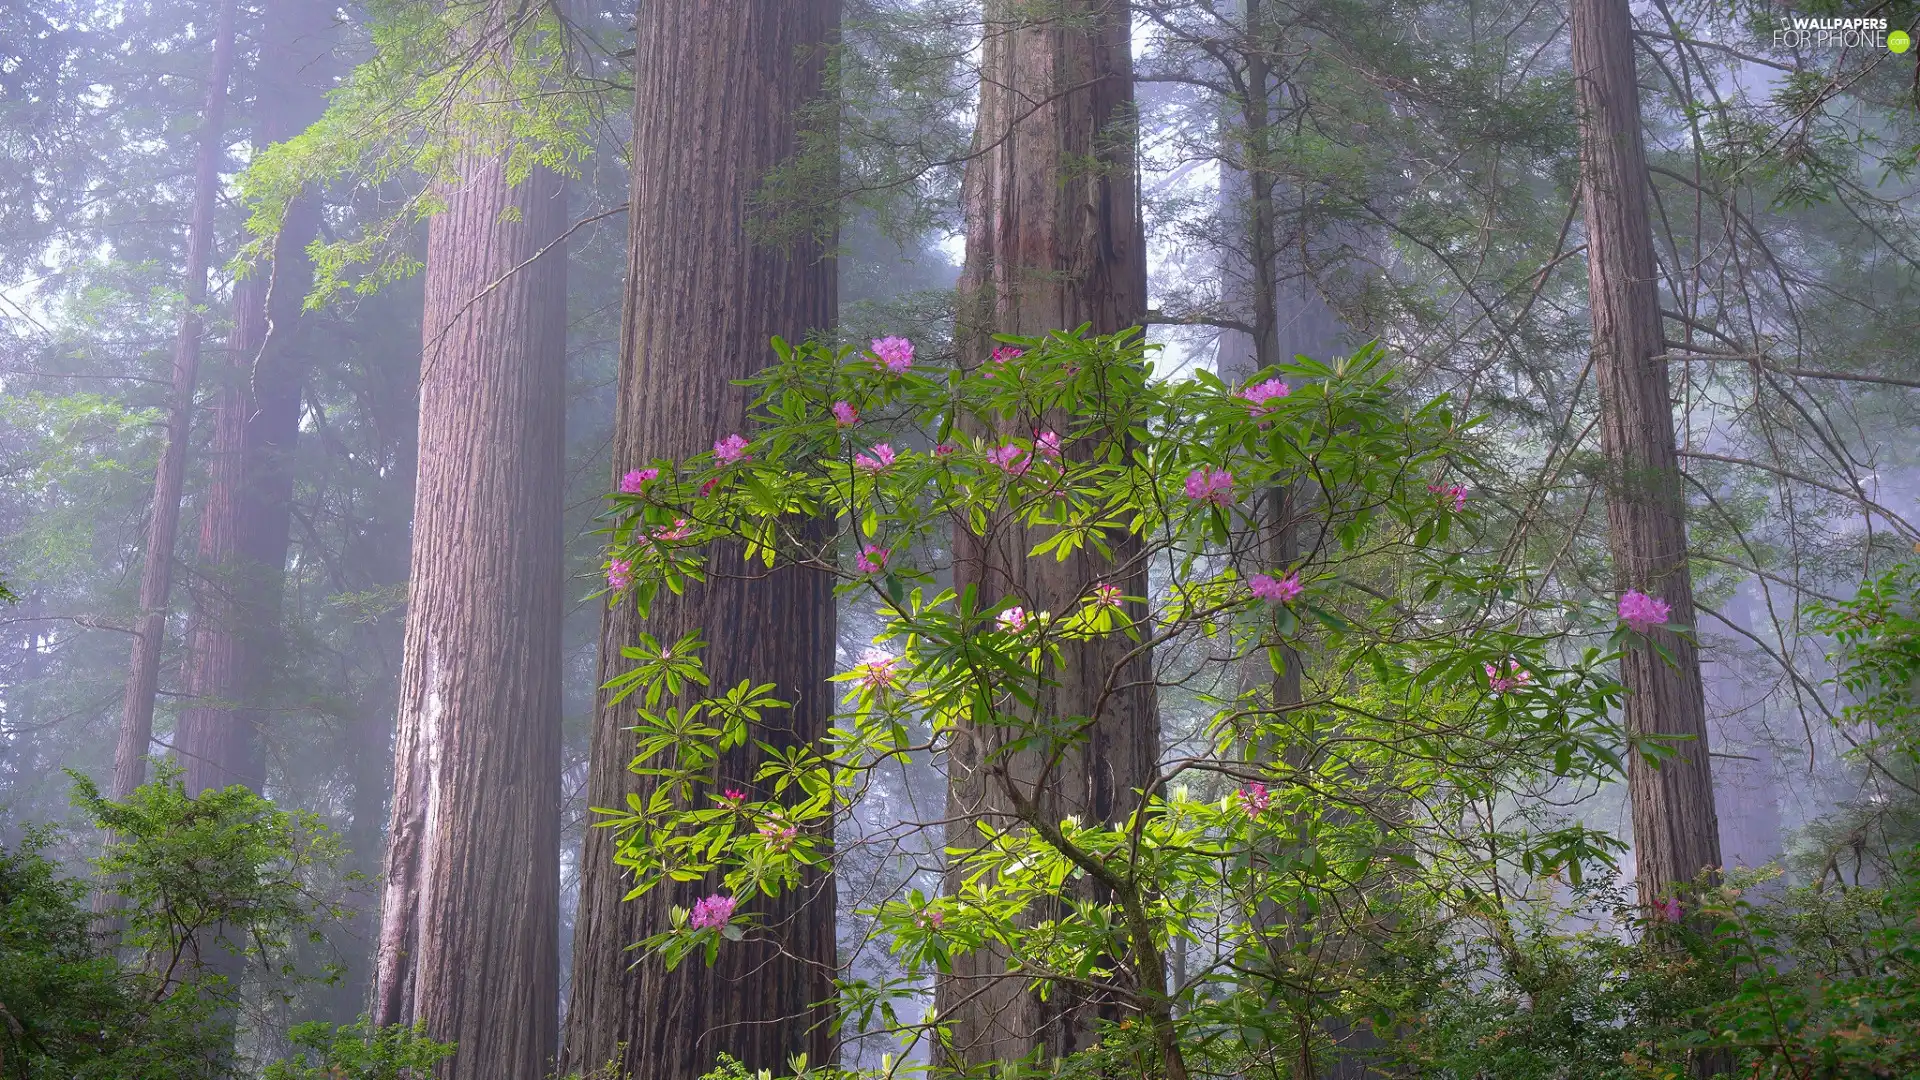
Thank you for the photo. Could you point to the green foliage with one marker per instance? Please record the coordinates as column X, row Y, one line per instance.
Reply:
column 1877, row 640
column 446, row 89
column 360, row 1051
column 1402, row 744
column 225, row 871
column 1829, row 979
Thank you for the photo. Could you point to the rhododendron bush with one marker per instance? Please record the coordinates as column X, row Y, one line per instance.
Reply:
column 1439, row 689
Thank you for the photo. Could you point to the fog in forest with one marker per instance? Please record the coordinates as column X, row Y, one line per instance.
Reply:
column 886, row 538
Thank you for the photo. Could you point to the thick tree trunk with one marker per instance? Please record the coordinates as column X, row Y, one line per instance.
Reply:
column 718, row 89
column 1054, row 240
column 469, row 930
column 163, row 519
column 243, row 519
column 1675, row 831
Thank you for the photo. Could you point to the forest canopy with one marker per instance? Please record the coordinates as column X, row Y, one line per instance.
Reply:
column 854, row 539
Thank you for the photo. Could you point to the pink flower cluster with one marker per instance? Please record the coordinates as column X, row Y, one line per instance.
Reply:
column 1106, row 594
column 734, row 796
column 631, row 483
column 879, row 671
column 1013, row 620
column 1255, row 800
column 895, row 353
column 1261, row 396
column 931, row 919
column 1450, row 491
column 872, row 559
column 1667, row 910
column 1643, row 612
column 1047, row 444
column 1276, row 590
column 712, row 912
column 731, row 449
column 679, row 530
column 882, row 457
column 844, row 414
column 778, row 836
column 1002, row 356
column 620, row 574
column 1010, row 459
column 1507, row 676
column 945, row 450
column 1210, row 485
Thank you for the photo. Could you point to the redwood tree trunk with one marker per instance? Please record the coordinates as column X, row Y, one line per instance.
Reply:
column 717, row 91
column 163, row 519
column 244, row 518
column 1675, row 831
column 469, row 931
column 1052, row 242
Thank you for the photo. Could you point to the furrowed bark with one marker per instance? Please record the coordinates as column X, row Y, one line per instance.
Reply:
column 469, row 921
column 1054, row 240
column 1675, row 828
column 714, row 111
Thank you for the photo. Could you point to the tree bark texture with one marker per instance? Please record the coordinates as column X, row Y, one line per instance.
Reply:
column 163, row 517
column 469, row 929
column 1054, row 240
column 235, row 641
column 1675, row 831
column 714, row 110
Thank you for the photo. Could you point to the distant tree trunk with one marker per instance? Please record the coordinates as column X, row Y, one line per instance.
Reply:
column 244, row 516
column 469, row 930
column 1054, row 240
column 718, row 90
column 163, row 517
column 163, row 514
column 1675, row 830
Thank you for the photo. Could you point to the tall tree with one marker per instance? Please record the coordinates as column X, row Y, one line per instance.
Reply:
column 163, row 520
column 1054, row 242
column 469, row 920
column 1675, row 830
column 719, row 96
column 256, row 413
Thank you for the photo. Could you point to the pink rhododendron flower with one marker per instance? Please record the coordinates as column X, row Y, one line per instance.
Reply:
column 731, row 449
column 631, row 483
column 1260, row 396
column 1667, row 911
column 1047, row 443
column 878, row 670
column 1210, row 485
column 1508, row 676
column 930, row 920
column 735, row 795
column 1451, row 491
column 620, row 574
column 1254, row 799
column 1106, row 594
column 1011, row 459
column 896, row 353
column 706, row 489
column 1642, row 612
column 945, row 450
column 1002, row 355
column 882, row 457
column 872, row 559
column 1013, row 620
column 844, row 414
column 1276, row 590
column 712, row 912
column 779, row 836
column 680, row 530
